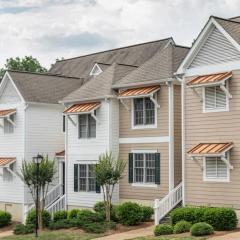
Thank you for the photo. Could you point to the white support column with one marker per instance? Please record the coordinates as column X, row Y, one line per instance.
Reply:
column 171, row 135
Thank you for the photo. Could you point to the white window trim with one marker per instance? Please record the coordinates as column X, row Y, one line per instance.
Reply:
column 205, row 179
column 143, row 126
column 135, row 184
column 215, row 110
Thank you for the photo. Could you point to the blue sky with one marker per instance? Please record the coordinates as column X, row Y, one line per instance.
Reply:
column 50, row 29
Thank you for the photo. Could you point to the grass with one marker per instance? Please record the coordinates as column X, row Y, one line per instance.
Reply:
column 55, row 235
column 170, row 238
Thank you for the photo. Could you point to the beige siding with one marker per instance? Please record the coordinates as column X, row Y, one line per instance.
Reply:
column 213, row 127
column 177, row 135
column 127, row 191
column 125, row 119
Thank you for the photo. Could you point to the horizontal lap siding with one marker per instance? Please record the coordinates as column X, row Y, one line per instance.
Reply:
column 127, row 191
column 125, row 121
column 213, row 127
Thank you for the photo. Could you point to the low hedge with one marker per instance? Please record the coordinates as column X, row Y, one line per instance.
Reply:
column 60, row 215
column 182, row 227
column 87, row 216
column 147, row 213
column 5, row 218
column 99, row 207
column 129, row 213
column 21, row 229
column 163, row 229
column 64, row 224
column 72, row 214
column 219, row 218
column 31, row 218
column 201, row 229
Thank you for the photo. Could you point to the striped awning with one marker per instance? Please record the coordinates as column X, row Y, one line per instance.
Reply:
column 60, row 154
column 7, row 112
column 210, row 79
column 138, row 92
column 82, row 108
column 210, row 149
column 6, row 161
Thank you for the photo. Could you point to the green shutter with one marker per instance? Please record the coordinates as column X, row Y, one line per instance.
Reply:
column 157, row 168
column 75, row 177
column 130, row 167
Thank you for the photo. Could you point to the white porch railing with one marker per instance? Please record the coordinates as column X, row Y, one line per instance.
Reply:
column 59, row 205
column 164, row 206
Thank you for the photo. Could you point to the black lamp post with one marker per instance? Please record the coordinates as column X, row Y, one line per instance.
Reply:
column 38, row 159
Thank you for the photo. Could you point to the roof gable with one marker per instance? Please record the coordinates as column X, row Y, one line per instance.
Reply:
column 226, row 31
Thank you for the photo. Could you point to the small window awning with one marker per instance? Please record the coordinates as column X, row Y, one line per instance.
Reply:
column 82, row 108
column 210, row 149
column 208, row 80
column 7, row 112
column 5, row 161
column 60, row 154
column 138, row 92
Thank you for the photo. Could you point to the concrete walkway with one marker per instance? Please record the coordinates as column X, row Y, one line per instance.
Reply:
column 229, row 236
column 141, row 232
column 6, row 233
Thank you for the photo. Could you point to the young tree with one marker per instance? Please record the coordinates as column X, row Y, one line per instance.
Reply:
column 45, row 177
column 108, row 173
column 28, row 63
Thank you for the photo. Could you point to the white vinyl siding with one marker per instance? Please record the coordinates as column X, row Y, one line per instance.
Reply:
column 215, row 99
column 216, row 169
column 216, row 49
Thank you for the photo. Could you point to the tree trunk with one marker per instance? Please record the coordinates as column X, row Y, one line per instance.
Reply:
column 40, row 213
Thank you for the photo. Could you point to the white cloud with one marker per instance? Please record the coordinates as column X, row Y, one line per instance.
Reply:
column 48, row 29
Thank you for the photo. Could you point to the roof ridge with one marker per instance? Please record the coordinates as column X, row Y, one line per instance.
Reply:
column 43, row 73
column 225, row 19
column 113, row 49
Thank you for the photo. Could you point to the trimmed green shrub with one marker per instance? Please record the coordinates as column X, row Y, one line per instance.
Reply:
column 64, row 224
column 72, row 214
column 147, row 213
column 129, row 213
column 221, row 219
column 99, row 207
column 31, row 218
column 201, row 229
column 87, row 216
column 189, row 214
column 163, row 229
column 5, row 218
column 182, row 226
column 60, row 215
column 94, row 227
column 21, row 229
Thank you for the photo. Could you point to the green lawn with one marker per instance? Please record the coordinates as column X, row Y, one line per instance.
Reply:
column 170, row 238
column 56, row 235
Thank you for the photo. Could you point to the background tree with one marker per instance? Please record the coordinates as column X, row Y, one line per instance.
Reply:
column 46, row 175
column 27, row 63
column 108, row 173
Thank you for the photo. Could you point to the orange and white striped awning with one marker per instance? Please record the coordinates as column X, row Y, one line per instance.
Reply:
column 4, row 161
column 82, row 108
column 210, row 149
column 211, row 79
column 60, row 154
column 7, row 112
column 138, row 92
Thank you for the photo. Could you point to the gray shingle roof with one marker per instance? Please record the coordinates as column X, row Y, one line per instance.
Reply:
column 161, row 66
column 43, row 88
column 98, row 87
column 130, row 55
column 231, row 27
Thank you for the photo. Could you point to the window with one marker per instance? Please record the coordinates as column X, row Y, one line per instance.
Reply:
column 144, row 167
column 8, row 127
column 84, row 176
column 216, row 169
column 144, row 112
column 86, row 126
column 215, row 99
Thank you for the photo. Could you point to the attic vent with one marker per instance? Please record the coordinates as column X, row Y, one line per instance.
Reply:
column 96, row 70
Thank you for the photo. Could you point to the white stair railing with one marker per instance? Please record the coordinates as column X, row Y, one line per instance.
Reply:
column 164, row 206
column 59, row 205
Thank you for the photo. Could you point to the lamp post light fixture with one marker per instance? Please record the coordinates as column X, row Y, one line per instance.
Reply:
column 37, row 160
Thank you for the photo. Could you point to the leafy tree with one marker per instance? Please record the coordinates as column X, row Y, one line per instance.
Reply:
column 108, row 173
column 28, row 63
column 45, row 177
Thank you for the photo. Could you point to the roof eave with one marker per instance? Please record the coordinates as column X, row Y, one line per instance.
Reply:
column 84, row 100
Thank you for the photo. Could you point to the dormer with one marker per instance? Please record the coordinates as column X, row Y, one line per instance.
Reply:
column 98, row 68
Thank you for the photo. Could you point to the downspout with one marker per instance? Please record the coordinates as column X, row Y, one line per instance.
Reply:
column 66, row 160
